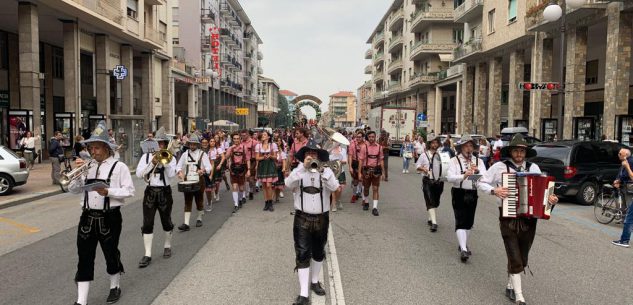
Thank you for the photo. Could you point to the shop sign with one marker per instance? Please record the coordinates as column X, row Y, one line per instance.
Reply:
column 215, row 49
column 241, row 111
column 119, row 72
column 543, row 86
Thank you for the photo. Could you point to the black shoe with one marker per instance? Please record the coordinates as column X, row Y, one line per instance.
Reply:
column 145, row 261
column 510, row 294
column 167, row 253
column 463, row 255
column 429, row 222
column 256, row 189
column 521, row 303
column 316, row 287
column 250, row 196
column 76, row 303
column 433, row 228
column 235, row 209
column 365, row 207
column 114, row 296
column 266, row 206
column 374, row 212
column 243, row 201
column 301, row 301
column 198, row 223
column 183, row 228
column 270, row 208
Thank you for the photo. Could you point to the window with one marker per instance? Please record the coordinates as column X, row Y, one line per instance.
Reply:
column 86, row 69
column 491, row 21
column 58, row 63
column 512, row 10
column 585, row 154
column 458, row 35
column 175, row 41
column 592, row 72
column 175, row 15
column 4, row 51
column 132, row 8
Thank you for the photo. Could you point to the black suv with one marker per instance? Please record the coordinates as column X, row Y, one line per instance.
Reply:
column 580, row 167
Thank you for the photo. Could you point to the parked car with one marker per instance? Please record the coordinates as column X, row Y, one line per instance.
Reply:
column 13, row 170
column 580, row 167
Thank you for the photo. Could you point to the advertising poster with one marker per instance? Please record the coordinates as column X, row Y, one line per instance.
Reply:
column 17, row 129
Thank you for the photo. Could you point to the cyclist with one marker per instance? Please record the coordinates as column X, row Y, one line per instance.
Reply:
column 623, row 182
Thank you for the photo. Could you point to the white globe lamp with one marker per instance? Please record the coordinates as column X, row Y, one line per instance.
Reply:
column 574, row 4
column 552, row 12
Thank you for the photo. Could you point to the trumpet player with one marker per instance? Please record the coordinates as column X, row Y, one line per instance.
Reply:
column 157, row 196
column 100, row 221
column 464, row 191
column 372, row 170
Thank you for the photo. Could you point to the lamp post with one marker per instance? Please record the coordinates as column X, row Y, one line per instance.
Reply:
column 211, row 116
column 552, row 13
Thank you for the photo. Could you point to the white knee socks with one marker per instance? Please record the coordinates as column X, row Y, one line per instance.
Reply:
column 114, row 280
column 304, row 277
column 236, row 198
column 168, row 236
column 200, row 214
column 432, row 216
column 516, row 284
column 82, row 292
column 375, row 204
column 187, row 216
column 147, row 241
column 462, row 237
column 509, row 286
column 315, row 269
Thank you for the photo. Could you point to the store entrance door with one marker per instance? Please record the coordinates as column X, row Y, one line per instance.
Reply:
column 584, row 128
column 548, row 129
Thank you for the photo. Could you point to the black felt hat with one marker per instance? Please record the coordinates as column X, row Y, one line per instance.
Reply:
column 322, row 154
column 518, row 142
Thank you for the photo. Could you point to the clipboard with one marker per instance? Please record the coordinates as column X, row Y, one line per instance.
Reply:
column 92, row 186
column 474, row 177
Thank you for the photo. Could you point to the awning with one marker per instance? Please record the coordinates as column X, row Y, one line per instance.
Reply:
column 446, row 57
column 225, row 123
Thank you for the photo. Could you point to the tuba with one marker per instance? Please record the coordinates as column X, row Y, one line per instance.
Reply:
column 326, row 138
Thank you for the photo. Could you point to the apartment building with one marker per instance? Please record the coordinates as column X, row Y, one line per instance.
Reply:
column 342, row 109
column 363, row 105
column 67, row 64
column 269, row 97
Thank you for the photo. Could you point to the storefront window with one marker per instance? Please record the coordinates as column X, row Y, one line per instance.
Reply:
column 128, row 134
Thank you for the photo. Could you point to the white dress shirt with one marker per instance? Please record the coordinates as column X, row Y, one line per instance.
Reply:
column 492, row 178
column 121, row 185
column 312, row 202
column 424, row 161
column 146, row 167
column 456, row 175
column 497, row 144
column 205, row 164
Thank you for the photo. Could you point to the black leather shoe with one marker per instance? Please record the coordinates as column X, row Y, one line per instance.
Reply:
column 266, row 206
column 429, row 222
column 375, row 212
column 301, row 301
column 198, row 223
column 76, row 303
column 235, row 209
column 183, row 228
column 167, row 253
column 316, row 287
column 510, row 294
column 521, row 303
column 145, row 261
column 114, row 296
column 433, row 228
column 250, row 196
column 270, row 208
column 463, row 255
column 365, row 207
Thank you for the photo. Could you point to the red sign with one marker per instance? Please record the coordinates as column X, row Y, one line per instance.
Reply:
column 215, row 49
column 547, row 86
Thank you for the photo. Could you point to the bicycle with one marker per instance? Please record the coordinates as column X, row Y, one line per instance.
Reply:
column 66, row 164
column 610, row 205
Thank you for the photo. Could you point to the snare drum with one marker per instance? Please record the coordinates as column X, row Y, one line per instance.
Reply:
column 189, row 186
column 445, row 158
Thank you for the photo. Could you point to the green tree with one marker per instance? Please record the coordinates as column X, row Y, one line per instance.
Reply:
column 284, row 116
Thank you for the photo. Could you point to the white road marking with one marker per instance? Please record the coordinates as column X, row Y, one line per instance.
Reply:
column 336, row 285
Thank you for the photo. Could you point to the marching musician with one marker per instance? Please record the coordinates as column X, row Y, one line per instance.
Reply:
column 312, row 190
column 300, row 140
column 517, row 233
column 157, row 196
column 339, row 153
column 355, row 147
column 430, row 164
column 100, row 220
column 464, row 191
column 372, row 170
column 238, row 170
column 192, row 165
column 249, row 144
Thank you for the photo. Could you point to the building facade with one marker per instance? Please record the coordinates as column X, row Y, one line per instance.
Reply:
column 342, row 109
column 268, row 107
column 363, row 105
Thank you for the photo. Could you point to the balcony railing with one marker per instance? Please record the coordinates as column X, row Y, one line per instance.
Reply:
column 207, row 16
column 379, row 56
column 394, row 86
column 423, row 78
column 455, row 70
column 426, row 46
column 260, row 70
column 396, row 18
column 205, row 43
column 260, row 55
column 394, row 41
column 377, row 75
column 368, row 54
column 466, row 49
column 110, row 9
column 421, row 16
column 466, row 8
column 380, row 37
column 368, row 69
column 154, row 36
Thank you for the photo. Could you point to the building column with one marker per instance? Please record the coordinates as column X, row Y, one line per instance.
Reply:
column 479, row 107
column 540, row 102
column 576, row 61
column 458, row 108
column 515, row 95
column 438, row 110
column 430, row 110
column 29, row 50
column 493, row 121
column 48, row 93
column 618, row 66
column 192, row 105
column 102, row 52
column 127, row 84
column 468, row 86
column 72, row 98
column 167, row 103
column 147, row 90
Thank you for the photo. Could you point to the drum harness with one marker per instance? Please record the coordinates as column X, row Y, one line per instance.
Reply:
column 431, row 161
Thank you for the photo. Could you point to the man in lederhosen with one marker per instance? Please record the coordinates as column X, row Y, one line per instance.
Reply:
column 107, row 183
column 312, row 189
column 249, row 144
column 517, row 233
column 300, row 140
column 464, row 191
column 430, row 164
column 355, row 148
column 372, row 169
column 238, row 170
column 192, row 165
column 157, row 196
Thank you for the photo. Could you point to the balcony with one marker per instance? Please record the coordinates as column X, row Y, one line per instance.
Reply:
column 455, row 71
column 425, row 47
column 205, row 43
column 394, row 87
column 154, row 2
column 534, row 20
column 422, row 18
column 207, row 16
column 395, row 66
column 260, row 55
column 421, row 79
column 368, row 54
column 260, row 70
column 379, row 57
column 468, row 10
column 397, row 19
column 379, row 39
column 467, row 49
column 378, row 76
column 110, row 9
column 395, row 44
column 369, row 69
column 155, row 36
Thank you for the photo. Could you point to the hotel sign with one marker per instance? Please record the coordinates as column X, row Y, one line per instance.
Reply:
column 215, row 48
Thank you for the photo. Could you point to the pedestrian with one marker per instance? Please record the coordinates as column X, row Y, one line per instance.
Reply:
column 406, row 152
column 498, row 144
column 266, row 156
column 176, row 146
column 372, row 170
column 218, row 169
column 28, row 144
column 56, row 153
column 447, row 147
column 385, row 143
column 312, row 190
column 356, row 146
column 517, row 233
column 338, row 153
column 209, row 189
column 464, row 191
column 624, row 183
column 192, row 165
column 225, row 143
column 157, row 195
column 430, row 164
column 282, row 169
column 238, row 166
column 419, row 146
column 249, row 144
column 78, row 147
column 100, row 221
column 300, row 139
column 484, row 151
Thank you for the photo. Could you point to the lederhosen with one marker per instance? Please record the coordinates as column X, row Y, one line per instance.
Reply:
column 199, row 195
column 371, row 174
column 98, row 226
column 238, row 171
column 432, row 188
column 310, row 230
column 216, row 178
column 355, row 163
column 464, row 203
column 157, row 198
column 517, row 233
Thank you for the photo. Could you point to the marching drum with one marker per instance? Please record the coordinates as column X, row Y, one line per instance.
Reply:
column 189, row 186
column 446, row 162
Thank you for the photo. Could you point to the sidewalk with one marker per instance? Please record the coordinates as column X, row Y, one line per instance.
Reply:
column 39, row 185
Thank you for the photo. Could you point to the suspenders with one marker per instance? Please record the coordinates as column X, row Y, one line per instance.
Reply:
column 106, row 200
column 431, row 160
column 320, row 194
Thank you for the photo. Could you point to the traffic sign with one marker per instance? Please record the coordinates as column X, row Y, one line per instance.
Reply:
column 421, row 117
column 241, row 111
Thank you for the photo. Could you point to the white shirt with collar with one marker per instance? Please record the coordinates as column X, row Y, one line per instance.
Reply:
column 492, row 178
column 121, row 184
column 205, row 164
column 456, row 173
column 497, row 144
column 312, row 202
column 146, row 167
column 424, row 161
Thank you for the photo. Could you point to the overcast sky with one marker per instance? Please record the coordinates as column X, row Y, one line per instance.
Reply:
column 315, row 46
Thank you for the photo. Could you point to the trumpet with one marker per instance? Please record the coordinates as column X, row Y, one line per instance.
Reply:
column 163, row 157
column 66, row 178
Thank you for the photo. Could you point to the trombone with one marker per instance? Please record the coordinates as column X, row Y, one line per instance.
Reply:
column 161, row 157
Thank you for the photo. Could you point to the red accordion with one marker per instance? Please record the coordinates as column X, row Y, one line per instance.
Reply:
column 528, row 195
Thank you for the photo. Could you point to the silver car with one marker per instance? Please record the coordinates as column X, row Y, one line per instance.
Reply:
column 13, row 170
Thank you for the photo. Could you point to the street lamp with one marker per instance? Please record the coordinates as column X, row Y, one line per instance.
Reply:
column 554, row 12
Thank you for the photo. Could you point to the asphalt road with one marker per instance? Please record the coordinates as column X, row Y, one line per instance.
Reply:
column 390, row 259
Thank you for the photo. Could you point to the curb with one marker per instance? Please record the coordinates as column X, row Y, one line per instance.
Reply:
column 29, row 199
